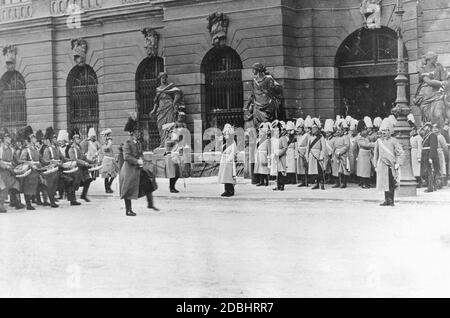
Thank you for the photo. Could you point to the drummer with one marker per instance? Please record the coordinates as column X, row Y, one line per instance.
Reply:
column 110, row 168
column 63, row 144
column 83, row 176
column 29, row 156
column 7, row 175
column 51, row 158
column 91, row 147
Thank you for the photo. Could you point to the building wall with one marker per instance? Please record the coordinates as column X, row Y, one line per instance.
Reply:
column 296, row 40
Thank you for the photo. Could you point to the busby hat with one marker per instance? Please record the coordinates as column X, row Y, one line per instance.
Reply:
column 131, row 125
column 387, row 124
column 39, row 135
column 361, row 126
column 27, row 133
column 299, row 123
column 353, row 124
column 49, row 133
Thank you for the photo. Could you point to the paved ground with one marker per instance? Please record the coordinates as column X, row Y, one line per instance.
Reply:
column 257, row 244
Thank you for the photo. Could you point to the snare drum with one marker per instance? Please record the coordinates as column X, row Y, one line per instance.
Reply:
column 70, row 167
column 22, row 170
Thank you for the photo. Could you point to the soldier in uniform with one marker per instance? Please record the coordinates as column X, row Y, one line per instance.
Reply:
column 42, row 187
column 339, row 159
column 62, row 145
column 302, row 149
column 416, row 150
column 172, row 156
column 227, row 167
column 388, row 156
column 8, row 182
column 91, row 148
column 279, row 145
column 442, row 154
column 135, row 181
column 262, row 155
column 291, row 166
column 110, row 168
column 328, row 131
column 353, row 150
column 51, row 157
column 365, row 151
column 30, row 155
column 82, row 176
column 317, row 150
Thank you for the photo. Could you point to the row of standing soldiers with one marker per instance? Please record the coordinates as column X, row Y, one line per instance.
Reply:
column 38, row 164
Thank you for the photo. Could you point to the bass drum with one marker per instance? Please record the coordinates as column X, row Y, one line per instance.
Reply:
column 22, row 170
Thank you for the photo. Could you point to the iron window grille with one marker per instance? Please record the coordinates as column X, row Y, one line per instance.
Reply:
column 13, row 101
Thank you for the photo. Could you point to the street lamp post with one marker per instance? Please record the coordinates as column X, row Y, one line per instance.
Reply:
column 401, row 110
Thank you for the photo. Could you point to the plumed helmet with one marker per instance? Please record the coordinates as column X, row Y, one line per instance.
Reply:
column 131, row 125
column 377, row 122
column 63, row 135
column 329, row 125
column 228, row 129
column 308, row 122
column 49, row 133
column 105, row 132
column 92, row 132
column 317, row 123
column 353, row 124
column 275, row 124
column 299, row 123
column 411, row 120
column 393, row 119
column 387, row 124
column 290, row 125
column 368, row 122
column 348, row 119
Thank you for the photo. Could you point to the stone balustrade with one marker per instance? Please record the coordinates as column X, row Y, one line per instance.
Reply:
column 68, row 6
column 15, row 11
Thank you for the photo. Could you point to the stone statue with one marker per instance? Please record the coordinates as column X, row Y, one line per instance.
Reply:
column 168, row 106
column 371, row 11
column 430, row 93
column 151, row 41
column 265, row 99
column 79, row 51
column 10, row 56
column 218, row 28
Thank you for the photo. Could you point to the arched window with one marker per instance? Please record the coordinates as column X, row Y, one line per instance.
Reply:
column 367, row 62
column 224, row 94
column 82, row 99
column 13, row 103
column 146, row 84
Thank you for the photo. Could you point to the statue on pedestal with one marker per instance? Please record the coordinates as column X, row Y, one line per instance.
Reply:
column 168, row 106
column 430, row 97
column 265, row 99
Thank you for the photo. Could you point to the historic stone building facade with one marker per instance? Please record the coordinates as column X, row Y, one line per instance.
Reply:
column 92, row 62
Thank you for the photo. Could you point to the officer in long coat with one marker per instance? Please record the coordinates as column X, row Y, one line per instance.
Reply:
column 279, row 146
column 262, row 155
column 339, row 159
column 227, row 166
column 388, row 156
column 301, row 152
column 317, row 150
column 365, row 153
column 416, row 150
column 135, row 181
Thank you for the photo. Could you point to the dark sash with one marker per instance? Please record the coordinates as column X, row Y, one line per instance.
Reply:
column 314, row 142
